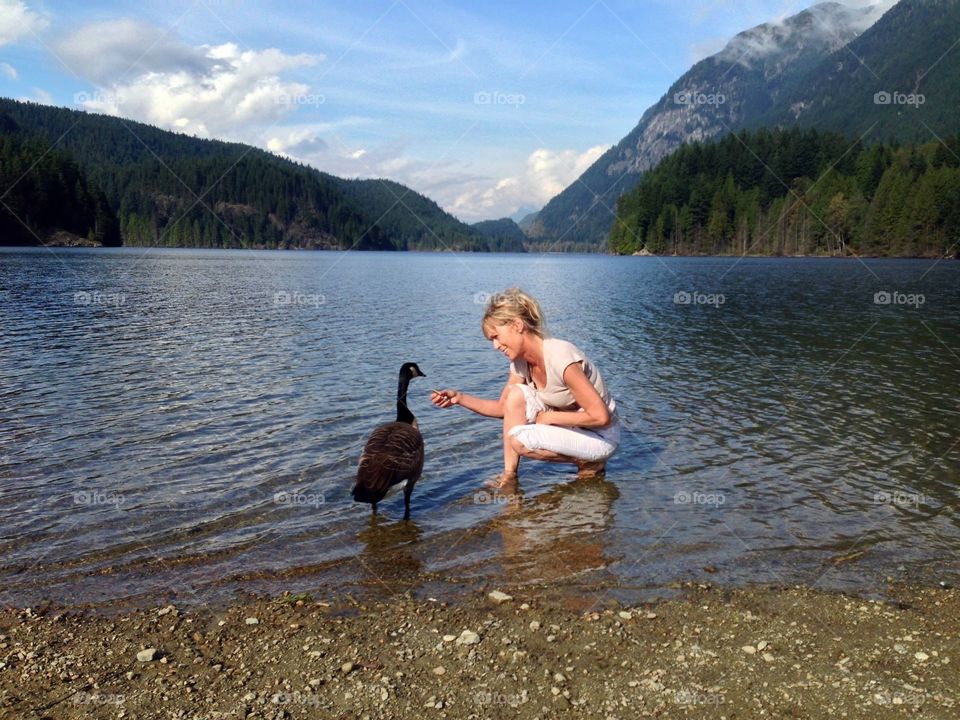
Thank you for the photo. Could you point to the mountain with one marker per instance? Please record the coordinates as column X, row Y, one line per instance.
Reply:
column 169, row 189
column 412, row 221
column 729, row 90
column 504, row 234
column 526, row 222
column 899, row 79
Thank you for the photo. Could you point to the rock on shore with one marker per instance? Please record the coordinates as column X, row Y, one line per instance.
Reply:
column 712, row 653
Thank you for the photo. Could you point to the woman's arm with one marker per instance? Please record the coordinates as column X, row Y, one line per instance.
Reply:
column 593, row 413
column 488, row 408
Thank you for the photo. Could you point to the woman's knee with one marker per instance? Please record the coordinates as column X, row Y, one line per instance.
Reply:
column 515, row 398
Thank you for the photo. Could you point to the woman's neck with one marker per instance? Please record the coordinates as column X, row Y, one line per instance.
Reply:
column 533, row 350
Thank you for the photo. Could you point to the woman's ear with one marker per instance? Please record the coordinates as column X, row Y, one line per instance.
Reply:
column 518, row 325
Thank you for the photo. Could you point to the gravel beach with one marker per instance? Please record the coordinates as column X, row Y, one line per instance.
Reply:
column 505, row 652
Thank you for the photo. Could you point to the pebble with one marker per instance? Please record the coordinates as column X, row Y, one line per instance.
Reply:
column 347, row 668
column 762, row 645
column 749, row 649
column 440, row 670
column 148, row 655
column 252, row 621
column 767, row 657
column 921, row 656
column 499, row 597
column 534, row 625
column 449, row 638
column 468, row 637
column 624, row 615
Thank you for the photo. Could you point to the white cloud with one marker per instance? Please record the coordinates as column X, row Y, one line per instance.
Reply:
column 17, row 20
column 546, row 174
column 211, row 91
column 468, row 195
column 8, row 70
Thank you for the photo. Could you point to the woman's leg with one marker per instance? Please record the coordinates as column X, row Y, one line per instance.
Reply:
column 515, row 413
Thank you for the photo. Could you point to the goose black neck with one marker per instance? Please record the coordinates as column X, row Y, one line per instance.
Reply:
column 403, row 412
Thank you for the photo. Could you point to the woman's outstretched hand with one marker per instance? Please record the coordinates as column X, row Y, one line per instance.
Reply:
column 445, row 398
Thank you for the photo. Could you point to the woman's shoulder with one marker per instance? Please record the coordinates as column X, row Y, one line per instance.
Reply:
column 562, row 352
column 558, row 345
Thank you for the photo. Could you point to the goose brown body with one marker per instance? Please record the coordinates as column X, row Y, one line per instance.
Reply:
column 393, row 455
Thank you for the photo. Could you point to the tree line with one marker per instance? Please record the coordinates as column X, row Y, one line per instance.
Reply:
column 796, row 192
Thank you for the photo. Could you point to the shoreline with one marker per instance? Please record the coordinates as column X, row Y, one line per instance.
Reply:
column 709, row 651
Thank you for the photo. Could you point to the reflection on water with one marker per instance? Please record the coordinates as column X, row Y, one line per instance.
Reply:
column 558, row 534
column 199, row 439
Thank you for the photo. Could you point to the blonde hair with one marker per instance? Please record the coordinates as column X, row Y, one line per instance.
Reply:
column 513, row 303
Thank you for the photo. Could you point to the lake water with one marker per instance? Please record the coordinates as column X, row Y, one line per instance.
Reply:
column 186, row 424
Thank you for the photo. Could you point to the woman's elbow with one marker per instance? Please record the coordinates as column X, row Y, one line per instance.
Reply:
column 603, row 417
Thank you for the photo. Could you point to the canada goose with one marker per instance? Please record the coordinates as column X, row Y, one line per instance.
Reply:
column 393, row 456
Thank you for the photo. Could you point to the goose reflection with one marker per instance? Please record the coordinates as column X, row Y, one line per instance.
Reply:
column 390, row 557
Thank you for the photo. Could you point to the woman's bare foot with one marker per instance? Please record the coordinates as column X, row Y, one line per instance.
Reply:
column 504, row 482
column 590, row 470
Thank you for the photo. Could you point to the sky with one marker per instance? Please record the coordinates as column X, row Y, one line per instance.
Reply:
column 489, row 108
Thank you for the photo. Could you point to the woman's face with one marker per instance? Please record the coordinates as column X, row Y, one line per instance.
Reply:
column 507, row 338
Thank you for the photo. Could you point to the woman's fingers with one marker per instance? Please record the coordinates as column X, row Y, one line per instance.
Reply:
column 443, row 398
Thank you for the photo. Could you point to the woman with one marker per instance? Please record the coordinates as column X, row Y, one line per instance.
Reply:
column 554, row 406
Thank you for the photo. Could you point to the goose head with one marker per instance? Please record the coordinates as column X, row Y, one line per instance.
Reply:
column 411, row 370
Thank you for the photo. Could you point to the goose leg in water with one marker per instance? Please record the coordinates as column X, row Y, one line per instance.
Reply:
column 406, row 501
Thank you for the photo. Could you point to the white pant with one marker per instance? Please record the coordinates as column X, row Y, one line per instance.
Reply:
column 579, row 443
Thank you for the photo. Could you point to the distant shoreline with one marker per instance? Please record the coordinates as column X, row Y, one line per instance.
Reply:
column 83, row 243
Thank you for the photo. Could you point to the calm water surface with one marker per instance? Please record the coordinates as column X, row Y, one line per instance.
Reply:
column 186, row 424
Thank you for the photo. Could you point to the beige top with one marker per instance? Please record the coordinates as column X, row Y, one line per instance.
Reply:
column 557, row 354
